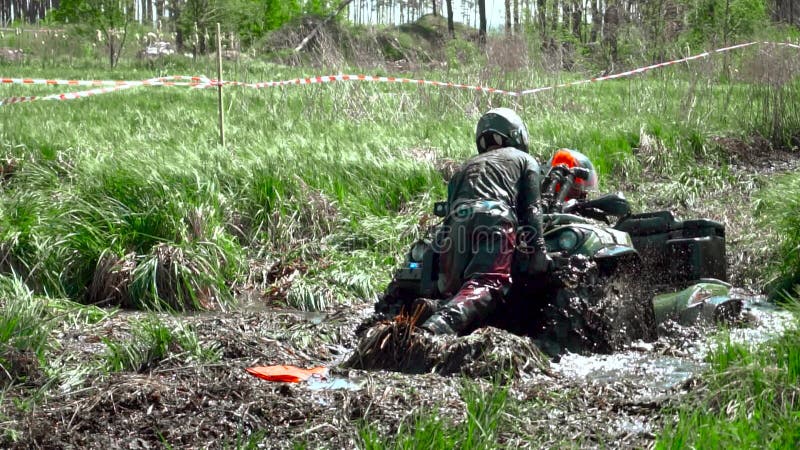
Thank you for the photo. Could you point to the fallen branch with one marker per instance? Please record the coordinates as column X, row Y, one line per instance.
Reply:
column 321, row 24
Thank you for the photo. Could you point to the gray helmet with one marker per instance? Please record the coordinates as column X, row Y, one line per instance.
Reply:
column 501, row 127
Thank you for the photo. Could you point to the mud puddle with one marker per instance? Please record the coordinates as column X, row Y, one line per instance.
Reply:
column 582, row 401
column 658, row 368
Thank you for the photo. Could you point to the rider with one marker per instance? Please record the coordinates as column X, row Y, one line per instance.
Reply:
column 486, row 197
column 573, row 158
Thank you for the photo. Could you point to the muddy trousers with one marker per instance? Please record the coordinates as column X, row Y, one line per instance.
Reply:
column 477, row 262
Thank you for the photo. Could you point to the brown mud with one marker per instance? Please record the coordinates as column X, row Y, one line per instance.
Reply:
column 190, row 404
column 589, row 401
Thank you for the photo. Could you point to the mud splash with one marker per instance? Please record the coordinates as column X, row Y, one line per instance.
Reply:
column 660, row 367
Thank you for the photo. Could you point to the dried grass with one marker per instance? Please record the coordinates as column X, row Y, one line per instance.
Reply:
column 400, row 346
column 111, row 281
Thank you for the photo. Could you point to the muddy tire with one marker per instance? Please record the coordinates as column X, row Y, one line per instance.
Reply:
column 600, row 315
column 630, row 303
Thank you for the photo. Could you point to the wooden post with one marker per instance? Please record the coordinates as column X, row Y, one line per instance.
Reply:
column 219, row 87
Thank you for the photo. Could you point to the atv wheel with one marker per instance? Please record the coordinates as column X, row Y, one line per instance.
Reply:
column 599, row 314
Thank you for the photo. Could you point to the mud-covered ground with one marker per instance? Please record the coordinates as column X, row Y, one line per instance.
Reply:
column 614, row 401
column 585, row 401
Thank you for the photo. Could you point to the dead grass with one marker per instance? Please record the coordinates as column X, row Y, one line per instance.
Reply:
column 111, row 282
column 398, row 345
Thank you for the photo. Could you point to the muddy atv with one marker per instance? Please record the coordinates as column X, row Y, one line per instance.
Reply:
column 601, row 291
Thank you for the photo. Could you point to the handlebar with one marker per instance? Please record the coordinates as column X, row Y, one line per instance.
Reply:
column 560, row 177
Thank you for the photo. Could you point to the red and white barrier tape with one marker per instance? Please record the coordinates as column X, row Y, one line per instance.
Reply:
column 639, row 70
column 163, row 81
column 334, row 78
column 203, row 82
column 111, row 86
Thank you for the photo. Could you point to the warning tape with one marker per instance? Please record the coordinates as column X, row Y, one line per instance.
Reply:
column 203, row 82
column 112, row 86
column 334, row 78
column 163, row 81
column 639, row 70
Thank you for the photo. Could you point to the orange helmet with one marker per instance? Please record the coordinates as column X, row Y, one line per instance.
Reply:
column 573, row 158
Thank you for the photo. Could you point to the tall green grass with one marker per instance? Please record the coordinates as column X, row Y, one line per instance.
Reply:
column 25, row 325
column 780, row 210
column 127, row 199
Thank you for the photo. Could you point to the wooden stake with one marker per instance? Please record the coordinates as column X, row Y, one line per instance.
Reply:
column 219, row 87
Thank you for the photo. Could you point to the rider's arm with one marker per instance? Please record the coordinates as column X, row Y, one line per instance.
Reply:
column 531, row 196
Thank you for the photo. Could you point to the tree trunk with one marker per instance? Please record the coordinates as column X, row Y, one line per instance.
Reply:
column 541, row 10
column 508, row 16
column 611, row 20
column 110, row 40
column 482, row 19
column 727, row 21
column 450, row 24
column 726, row 67
column 516, row 17
column 175, row 15
column 577, row 19
column 435, row 9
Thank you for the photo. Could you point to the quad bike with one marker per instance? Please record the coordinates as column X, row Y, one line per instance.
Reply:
column 600, row 291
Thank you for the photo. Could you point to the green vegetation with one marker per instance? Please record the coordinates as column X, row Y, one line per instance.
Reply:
column 749, row 399
column 779, row 209
column 27, row 325
column 479, row 430
column 127, row 200
column 24, row 328
column 152, row 342
column 108, row 18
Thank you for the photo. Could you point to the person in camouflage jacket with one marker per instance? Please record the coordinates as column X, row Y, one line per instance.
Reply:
column 488, row 198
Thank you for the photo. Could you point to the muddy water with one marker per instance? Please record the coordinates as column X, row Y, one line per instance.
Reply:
column 653, row 369
column 678, row 355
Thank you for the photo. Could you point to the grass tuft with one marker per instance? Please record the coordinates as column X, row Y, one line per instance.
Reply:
column 153, row 342
column 778, row 210
column 25, row 327
column 478, row 430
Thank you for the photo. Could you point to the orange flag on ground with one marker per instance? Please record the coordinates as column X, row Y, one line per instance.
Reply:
column 288, row 374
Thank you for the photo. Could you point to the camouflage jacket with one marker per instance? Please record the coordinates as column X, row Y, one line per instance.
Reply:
column 504, row 175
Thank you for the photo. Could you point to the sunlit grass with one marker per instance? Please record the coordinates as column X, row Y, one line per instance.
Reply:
column 484, row 408
column 152, row 342
column 780, row 209
column 25, row 324
column 328, row 174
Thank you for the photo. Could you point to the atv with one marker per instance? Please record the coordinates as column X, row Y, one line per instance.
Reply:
column 600, row 293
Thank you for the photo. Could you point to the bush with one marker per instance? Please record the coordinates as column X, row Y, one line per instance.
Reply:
column 780, row 210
